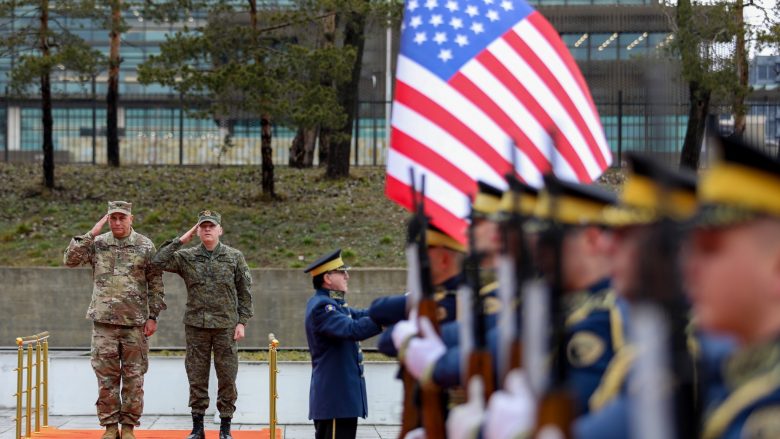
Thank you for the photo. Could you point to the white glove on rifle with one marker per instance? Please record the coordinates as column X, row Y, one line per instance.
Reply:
column 422, row 352
column 403, row 331
column 464, row 420
column 417, row 433
column 511, row 411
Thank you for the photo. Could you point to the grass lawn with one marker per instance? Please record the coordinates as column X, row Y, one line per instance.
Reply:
column 312, row 216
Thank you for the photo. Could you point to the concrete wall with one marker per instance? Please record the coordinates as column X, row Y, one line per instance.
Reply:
column 73, row 389
column 56, row 300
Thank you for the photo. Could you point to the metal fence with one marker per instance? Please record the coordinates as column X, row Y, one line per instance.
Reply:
column 164, row 133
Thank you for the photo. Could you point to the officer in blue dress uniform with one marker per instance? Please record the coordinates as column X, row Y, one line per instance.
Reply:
column 337, row 396
column 733, row 276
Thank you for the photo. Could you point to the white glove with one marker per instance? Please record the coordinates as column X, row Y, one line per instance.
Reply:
column 464, row 420
column 422, row 352
column 417, row 433
column 403, row 330
column 511, row 411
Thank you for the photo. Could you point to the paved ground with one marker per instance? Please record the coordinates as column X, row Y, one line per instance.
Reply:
column 8, row 426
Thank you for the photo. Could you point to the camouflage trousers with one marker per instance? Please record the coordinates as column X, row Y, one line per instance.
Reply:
column 201, row 342
column 120, row 355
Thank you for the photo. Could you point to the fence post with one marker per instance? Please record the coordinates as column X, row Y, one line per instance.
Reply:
column 45, row 382
column 28, row 409
column 357, row 131
column 94, row 119
column 181, row 128
column 37, row 384
column 620, row 129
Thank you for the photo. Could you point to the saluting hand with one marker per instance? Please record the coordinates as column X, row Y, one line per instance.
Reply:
column 187, row 236
column 99, row 225
column 239, row 332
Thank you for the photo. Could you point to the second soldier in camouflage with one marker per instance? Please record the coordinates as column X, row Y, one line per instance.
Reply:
column 219, row 304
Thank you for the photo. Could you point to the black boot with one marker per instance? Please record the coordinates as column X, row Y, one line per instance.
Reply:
column 224, row 428
column 197, row 427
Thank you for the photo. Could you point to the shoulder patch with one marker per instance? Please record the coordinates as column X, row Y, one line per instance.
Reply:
column 762, row 423
column 584, row 349
column 441, row 313
column 329, row 308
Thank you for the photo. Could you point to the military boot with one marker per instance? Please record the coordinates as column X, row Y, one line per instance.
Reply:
column 197, row 427
column 224, row 428
column 127, row 431
column 112, row 432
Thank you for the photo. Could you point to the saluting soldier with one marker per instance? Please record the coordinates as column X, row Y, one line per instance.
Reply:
column 219, row 304
column 337, row 395
column 733, row 278
column 127, row 298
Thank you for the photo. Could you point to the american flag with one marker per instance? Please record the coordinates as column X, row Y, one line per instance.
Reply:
column 475, row 77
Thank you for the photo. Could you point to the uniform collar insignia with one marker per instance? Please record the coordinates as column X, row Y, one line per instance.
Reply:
column 127, row 240
column 751, row 362
column 339, row 295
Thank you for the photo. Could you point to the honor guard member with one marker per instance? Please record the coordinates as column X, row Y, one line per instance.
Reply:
column 219, row 304
column 337, row 395
column 446, row 258
column 648, row 185
column 595, row 316
column 127, row 298
column 425, row 352
column 732, row 275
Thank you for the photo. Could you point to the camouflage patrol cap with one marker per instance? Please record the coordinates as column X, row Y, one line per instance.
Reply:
column 211, row 216
column 120, row 207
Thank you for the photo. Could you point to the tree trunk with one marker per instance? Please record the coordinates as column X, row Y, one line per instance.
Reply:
column 112, row 97
column 267, row 164
column 338, row 158
column 266, row 153
column 48, row 121
column 325, row 136
column 741, row 61
column 699, row 107
column 302, row 148
column 309, row 143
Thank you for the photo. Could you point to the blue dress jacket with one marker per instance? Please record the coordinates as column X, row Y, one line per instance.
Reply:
column 751, row 410
column 389, row 310
column 333, row 332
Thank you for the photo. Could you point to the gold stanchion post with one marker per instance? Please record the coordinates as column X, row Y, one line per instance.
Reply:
column 28, row 391
column 45, row 382
column 19, row 371
column 37, row 384
column 272, row 371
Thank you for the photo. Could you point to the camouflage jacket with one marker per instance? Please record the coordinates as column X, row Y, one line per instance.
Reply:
column 218, row 285
column 126, row 289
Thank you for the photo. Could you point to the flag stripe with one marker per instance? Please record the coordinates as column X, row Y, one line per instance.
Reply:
column 441, row 216
column 537, row 65
column 536, row 114
column 547, row 45
column 433, row 161
column 464, row 84
column 454, row 125
column 409, row 123
column 538, row 87
column 417, row 77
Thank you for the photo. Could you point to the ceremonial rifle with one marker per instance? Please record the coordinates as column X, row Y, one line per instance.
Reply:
column 480, row 361
column 515, row 270
column 665, row 368
column 422, row 295
column 556, row 410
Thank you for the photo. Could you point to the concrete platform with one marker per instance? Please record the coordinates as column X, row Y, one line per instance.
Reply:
column 151, row 422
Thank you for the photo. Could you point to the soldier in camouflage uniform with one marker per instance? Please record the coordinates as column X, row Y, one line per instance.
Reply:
column 219, row 303
column 127, row 297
